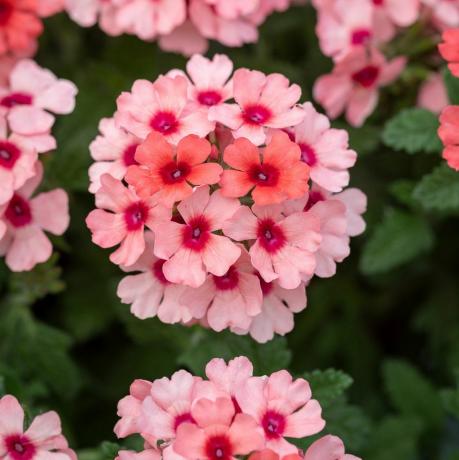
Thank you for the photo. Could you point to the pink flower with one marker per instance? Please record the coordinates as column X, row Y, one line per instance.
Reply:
column 325, row 150
column 284, row 247
column 26, row 219
column 161, row 107
column 193, row 249
column 234, row 9
column 33, row 92
column 449, row 49
column 432, row 94
column 50, row 7
column 232, row 299
column 218, row 433
column 184, row 39
column 151, row 294
column 17, row 165
column 275, row 174
column 113, row 151
column 402, row 14
column 445, row 13
column 147, row 454
column 354, row 83
column 283, row 408
column 262, row 102
column 42, row 440
column 124, row 222
column 328, row 447
column 448, row 133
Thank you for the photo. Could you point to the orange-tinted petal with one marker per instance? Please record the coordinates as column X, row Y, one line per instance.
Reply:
column 242, row 155
column 235, row 183
column 205, row 174
column 193, row 150
column 155, row 152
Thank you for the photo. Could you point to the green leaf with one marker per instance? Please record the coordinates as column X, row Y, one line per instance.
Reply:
column 328, row 385
column 413, row 130
column 450, row 398
column 452, row 86
column 398, row 239
column 412, row 394
column 402, row 190
column 439, row 190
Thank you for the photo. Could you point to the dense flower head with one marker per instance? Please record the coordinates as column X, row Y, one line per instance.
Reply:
column 231, row 414
column 224, row 195
column 448, row 133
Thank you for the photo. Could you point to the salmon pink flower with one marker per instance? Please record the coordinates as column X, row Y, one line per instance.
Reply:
column 24, row 242
column 147, row 454
column 42, row 440
column 218, row 433
column 282, row 408
column 449, row 49
column 161, row 107
column 354, row 83
column 113, row 151
column 169, row 171
column 151, row 294
column 433, row 95
column 32, row 93
column 193, row 249
column 449, row 134
column 122, row 220
column 275, row 175
column 261, row 102
column 285, row 246
column 232, row 299
column 328, row 447
column 325, row 150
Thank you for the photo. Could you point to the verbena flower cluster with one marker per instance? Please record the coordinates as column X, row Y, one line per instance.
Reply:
column 224, row 197
column 354, row 34
column 231, row 414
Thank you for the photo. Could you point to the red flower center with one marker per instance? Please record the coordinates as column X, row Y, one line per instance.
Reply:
column 158, row 272
column 228, row 281
column 14, row 99
column 6, row 9
column 9, row 154
column 183, row 418
column 256, row 114
column 264, row 175
column 274, row 424
column 367, row 76
column 266, row 288
column 360, row 36
column 219, row 448
column 135, row 216
column 18, row 212
column 378, row 2
column 173, row 173
column 308, row 155
column 19, row 447
column 270, row 236
column 209, row 98
column 129, row 155
column 314, row 197
column 165, row 123
column 196, row 234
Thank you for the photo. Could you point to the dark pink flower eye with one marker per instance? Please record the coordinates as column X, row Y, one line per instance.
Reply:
column 9, row 155
column 219, row 448
column 256, row 114
column 136, row 215
column 196, row 234
column 19, row 447
column 367, row 76
column 14, row 99
column 165, row 123
column 270, row 236
column 18, row 212
column 209, row 98
column 274, row 424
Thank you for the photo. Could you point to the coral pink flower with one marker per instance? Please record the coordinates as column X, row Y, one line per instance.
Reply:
column 147, row 19
column 150, row 294
column 125, row 223
column 33, row 92
column 161, row 107
column 24, row 242
column 184, row 39
column 449, row 134
column 433, row 95
column 262, row 102
column 193, row 249
column 19, row 27
column 275, row 175
column 283, row 408
column 325, row 150
column 232, row 299
column 50, row 7
column 147, row 454
column 218, row 433
column 169, row 171
column 449, row 49
column 353, row 85
column 328, row 447
column 284, row 247
column 445, row 13
column 130, row 409
column 42, row 440
column 113, row 151
column 17, row 165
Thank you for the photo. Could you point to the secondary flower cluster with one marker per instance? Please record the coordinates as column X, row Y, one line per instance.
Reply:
column 29, row 97
column 183, row 26
column 231, row 414
column 203, row 180
column 43, row 439
column 353, row 32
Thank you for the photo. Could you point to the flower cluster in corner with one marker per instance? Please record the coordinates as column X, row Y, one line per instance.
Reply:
column 30, row 96
column 231, row 414
column 223, row 196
